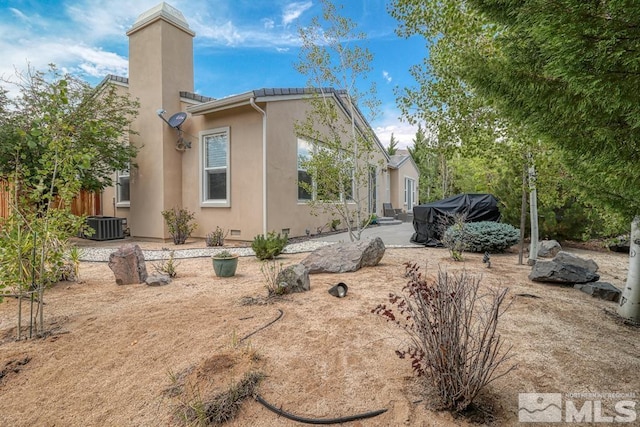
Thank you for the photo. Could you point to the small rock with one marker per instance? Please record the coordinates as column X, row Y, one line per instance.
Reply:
column 294, row 278
column 602, row 290
column 158, row 280
column 548, row 248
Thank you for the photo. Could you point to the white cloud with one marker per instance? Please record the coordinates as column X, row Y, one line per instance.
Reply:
column 18, row 14
column 269, row 24
column 387, row 76
column 224, row 29
column 390, row 123
column 98, row 63
column 71, row 40
column 225, row 33
column 293, row 11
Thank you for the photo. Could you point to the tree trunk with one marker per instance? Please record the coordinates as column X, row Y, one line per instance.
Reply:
column 523, row 213
column 533, row 208
column 629, row 307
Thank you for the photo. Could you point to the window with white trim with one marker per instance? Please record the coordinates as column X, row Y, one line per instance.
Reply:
column 409, row 193
column 123, row 194
column 308, row 181
column 304, row 154
column 215, row 167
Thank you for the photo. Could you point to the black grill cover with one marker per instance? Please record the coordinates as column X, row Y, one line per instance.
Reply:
column 429, row 219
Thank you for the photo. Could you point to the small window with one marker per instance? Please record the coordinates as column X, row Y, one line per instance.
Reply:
column 123, row 187
column 215, row 167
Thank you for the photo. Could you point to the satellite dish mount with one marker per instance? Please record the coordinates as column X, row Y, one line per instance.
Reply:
column 175, row 121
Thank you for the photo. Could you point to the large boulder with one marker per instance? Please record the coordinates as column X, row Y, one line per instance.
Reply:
column 128, row 265
column 548, row 248
column 345, row 257
column 294, row 278
column 602, row 290
column 567, row 258
column 565, row 268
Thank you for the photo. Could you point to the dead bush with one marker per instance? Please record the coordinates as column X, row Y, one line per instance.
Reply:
column 453, row 342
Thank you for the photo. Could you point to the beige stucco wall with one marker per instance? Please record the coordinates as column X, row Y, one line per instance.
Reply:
column 284, row 209
column 244, row 215
column 160, row 66
column 397, row 182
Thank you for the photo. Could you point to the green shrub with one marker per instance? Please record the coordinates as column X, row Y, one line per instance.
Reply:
column 485, row 236
column 270, row 246
column 370, row 220
column 167, row 266
column 179, row 223
column 216, row 238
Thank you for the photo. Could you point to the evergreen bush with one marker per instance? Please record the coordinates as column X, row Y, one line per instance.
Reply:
column 270, row 246
column 484, row 236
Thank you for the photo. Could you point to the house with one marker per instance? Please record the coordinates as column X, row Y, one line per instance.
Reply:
column 404, row 178
column 232, row 161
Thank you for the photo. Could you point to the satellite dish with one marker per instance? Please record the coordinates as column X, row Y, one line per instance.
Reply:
column 177, row 119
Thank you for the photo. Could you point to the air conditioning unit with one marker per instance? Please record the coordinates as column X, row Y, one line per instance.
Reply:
column 105, row 228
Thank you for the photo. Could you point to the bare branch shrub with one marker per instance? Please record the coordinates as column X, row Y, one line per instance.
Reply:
column 453, row 341
column 168, row 266
column 455, row 242
column 271, row 270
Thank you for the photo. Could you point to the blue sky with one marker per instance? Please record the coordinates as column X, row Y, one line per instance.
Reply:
column 240, row 45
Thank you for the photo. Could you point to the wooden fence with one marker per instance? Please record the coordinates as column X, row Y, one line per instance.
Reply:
column 86, row 203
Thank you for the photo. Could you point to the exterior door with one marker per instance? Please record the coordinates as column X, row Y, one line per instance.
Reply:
column 409, row 193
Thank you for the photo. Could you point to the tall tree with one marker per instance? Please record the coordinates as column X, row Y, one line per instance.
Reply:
column 433, row 159
column 92, row 123
column 332, row 56
column 567, row 71
column 423, row 157
column 58, row 136
column 392, row 149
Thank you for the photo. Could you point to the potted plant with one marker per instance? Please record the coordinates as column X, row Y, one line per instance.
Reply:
column 225, row 264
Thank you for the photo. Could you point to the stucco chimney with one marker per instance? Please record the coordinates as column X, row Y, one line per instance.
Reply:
column 160, row 66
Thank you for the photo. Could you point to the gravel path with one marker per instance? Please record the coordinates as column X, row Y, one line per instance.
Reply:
column 94, row 254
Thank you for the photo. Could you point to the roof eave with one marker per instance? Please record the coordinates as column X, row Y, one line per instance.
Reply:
column 221, row 104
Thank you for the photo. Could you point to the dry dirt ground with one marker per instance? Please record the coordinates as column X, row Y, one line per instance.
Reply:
column 129, row 355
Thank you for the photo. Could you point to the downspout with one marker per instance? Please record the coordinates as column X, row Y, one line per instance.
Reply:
column 264, row 164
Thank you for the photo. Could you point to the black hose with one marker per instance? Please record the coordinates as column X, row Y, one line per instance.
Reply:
column 263, row 327
column 321, row 420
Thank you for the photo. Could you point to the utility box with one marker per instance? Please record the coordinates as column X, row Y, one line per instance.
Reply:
column 105, row 228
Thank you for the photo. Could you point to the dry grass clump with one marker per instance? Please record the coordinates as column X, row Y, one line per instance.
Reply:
column 209, row 394
column 223, row 406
